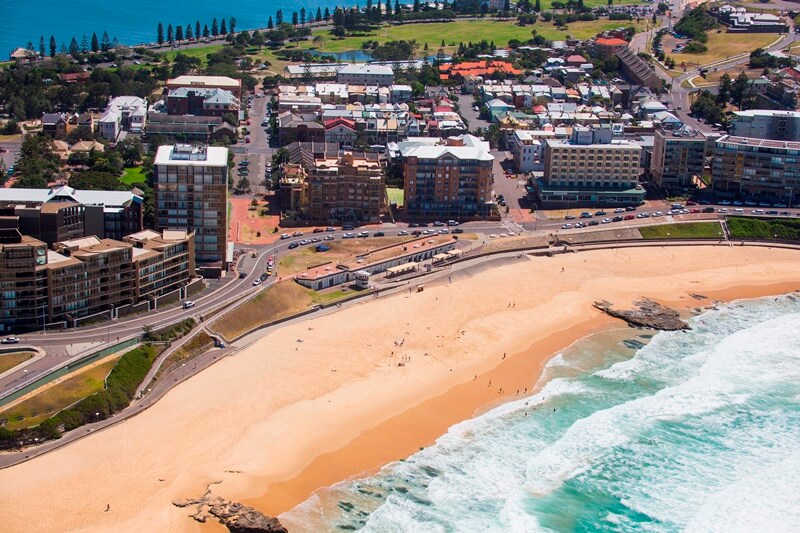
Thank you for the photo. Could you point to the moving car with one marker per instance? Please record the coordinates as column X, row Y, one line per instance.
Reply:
column 188, row 304
column 10, row 340
column 293, row 246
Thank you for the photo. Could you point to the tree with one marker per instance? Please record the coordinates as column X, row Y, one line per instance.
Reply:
column 41, row 46
column 84, row 44
column 537, row 7
column 206, row 33
column 214, row 27
column 327, row 15
column 53, row 46
column 269, row 23
column 223, row 28
column 232, row 24
column 319, row 14
column 725, row 87
column 302, row 16
column 294, row 18
column 170, row 34
column 73, row 47
column 507, row 6
column 416, row 6
column 189, row 33
column 160, row 34
column 178, row 33
column 279, row 17
column 397, row 11
column 105, row 42
column 739, row 90
column 197, row 30
column 243, row 185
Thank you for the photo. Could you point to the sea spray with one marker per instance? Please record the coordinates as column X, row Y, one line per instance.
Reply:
column 696, row 431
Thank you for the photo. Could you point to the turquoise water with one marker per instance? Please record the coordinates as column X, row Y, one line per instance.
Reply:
column 132, row 23
column 695, row 431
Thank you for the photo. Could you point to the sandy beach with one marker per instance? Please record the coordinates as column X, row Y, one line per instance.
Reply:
column 341, row 395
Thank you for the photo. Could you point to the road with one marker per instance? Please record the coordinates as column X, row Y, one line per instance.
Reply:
column 258, row 151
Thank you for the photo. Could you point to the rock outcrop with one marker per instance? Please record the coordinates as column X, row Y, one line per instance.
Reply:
column 646, row 314
column 236, row 517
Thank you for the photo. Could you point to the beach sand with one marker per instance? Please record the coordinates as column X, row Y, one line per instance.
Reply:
column 314, row 403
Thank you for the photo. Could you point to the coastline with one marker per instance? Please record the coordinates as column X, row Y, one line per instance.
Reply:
column 283, row 418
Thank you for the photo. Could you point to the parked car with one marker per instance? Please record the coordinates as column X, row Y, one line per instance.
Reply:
column 293, row 246
column 348, row 236
column 256, row 282
column 379, row 234
column 458, row 230
column 629, row 217
column 402, row 232
column 318, row 230
column 330, row 228
column 285, row 236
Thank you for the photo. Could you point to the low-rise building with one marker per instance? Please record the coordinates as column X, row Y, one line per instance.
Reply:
column 206, row 101
column 366, row 74
column 124, row 113
column 299, row 127
column 55, row 124
column 207, row 82
column 189, row 128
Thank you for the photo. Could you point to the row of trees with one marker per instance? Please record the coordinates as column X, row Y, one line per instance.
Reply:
column 179, row 33
column 74, row 48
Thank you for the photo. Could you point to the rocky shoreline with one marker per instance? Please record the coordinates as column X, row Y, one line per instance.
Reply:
column 646, row 314
column 236, row 517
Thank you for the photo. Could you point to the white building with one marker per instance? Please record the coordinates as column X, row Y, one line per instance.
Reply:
column 191, row 192
column 124, row 113
column 366, row 74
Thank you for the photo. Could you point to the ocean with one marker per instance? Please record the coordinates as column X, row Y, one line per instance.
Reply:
column 695, row 431
column 130, row 23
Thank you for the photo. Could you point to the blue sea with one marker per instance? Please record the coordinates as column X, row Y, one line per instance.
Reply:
column 131, row 23
column 696, row 431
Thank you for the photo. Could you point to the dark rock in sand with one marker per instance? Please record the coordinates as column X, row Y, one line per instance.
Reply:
column 646, row 314
column 236, row 517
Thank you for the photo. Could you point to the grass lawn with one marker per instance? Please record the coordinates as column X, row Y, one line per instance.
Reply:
column 332, row 295
column 712, row 79
column 10, row 360
column 8, row 138
column 724, row 45
column 460, row 31
column 200, row 52
column 754, row 228
column 396, row 195
column 689, row 230
column 133, row 175
column 280, row 300
column 547, row 4
column 45, row 404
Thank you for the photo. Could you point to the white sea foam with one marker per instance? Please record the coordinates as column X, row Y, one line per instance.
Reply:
column 700, row 430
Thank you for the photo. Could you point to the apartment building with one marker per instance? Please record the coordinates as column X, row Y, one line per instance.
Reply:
column 528, row 148
column 86, row 276
column 677, row 158
column 758, row 169
column 191, row 188
column 204, row 101
column 161, row 261
column 63, row 213
column 766, row 124
column 589, row 169
column 23, row 277
column 346, row 188
column 448, row 181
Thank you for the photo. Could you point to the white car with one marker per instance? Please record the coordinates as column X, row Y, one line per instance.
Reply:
column 10, row 340
column 256, row 282
column 402, row 232
column 566, row 226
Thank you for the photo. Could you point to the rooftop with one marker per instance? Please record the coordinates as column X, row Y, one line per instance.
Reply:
column 208, row 81
column 185, row 154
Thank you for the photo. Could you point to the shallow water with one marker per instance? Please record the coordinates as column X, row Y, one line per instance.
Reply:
column 696, row 431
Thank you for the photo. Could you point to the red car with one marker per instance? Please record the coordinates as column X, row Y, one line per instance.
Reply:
column 628, row 217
